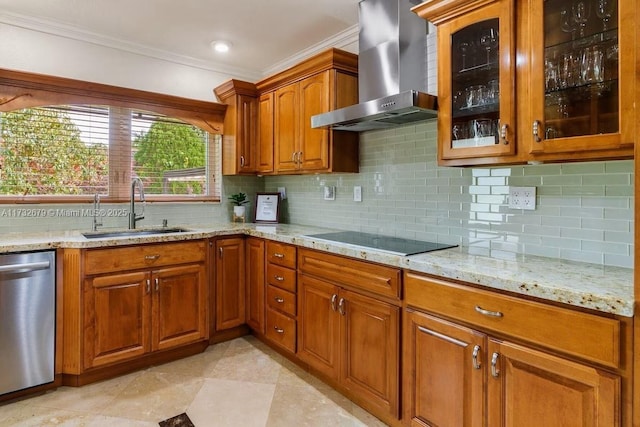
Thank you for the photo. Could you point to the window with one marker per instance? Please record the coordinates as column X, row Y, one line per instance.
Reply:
column 71, row 151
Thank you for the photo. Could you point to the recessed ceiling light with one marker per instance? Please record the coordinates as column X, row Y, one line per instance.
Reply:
column 220, row 46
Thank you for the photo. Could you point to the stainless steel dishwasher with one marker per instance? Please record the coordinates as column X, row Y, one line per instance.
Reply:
column 27, row 319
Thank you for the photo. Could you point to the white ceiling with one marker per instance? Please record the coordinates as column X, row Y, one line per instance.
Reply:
column 267, row 35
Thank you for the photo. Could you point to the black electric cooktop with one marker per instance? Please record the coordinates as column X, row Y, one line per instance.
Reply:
column 395, row 245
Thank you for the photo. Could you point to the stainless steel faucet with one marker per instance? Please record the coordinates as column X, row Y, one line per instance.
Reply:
column 133, row 217
column 96, row 212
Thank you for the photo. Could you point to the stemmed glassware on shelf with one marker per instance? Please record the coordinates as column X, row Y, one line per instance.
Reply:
column 567, row 22
column 489, row 40
column 604, row 11
column 464, row 47
column 581, row 12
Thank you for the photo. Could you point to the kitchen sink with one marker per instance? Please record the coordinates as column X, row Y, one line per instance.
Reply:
column 133, row 233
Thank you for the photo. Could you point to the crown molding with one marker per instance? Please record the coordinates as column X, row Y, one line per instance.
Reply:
column 73, row 33
column 340, row 40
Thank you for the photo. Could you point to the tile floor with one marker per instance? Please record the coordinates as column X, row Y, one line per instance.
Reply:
column 238, row 383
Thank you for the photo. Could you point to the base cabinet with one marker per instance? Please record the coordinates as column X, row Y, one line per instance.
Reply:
column 473, row 357
column 348, row 336
column 255, row 283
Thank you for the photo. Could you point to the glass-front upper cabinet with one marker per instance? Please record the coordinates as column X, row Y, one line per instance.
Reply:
column 581, row 69
column 476, row 77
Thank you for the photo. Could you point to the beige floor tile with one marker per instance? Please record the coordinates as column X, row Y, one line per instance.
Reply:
column 224, row 403
column 249, row 364
column 155, row 396
column 197, row 365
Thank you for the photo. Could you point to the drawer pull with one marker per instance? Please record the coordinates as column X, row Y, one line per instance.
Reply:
column 279, row 278
column 474, row 357
column 488, row 312
column 279, row 300
column 278, row 255
column 278, row 330
column 495, row 372
column 151, row 257
column 341, row 306
column 334, row 300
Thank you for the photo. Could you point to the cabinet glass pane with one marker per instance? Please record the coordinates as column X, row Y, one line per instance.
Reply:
column 475, row 85
column 581, row 67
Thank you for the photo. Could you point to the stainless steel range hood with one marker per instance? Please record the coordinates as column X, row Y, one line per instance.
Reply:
column 391, row 70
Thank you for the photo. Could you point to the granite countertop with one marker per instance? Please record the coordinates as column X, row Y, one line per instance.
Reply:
column 602, row 288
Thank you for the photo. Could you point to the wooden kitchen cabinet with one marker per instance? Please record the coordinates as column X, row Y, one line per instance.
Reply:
column 131, row 302
column 240, row 143
column 265, row 134
column 255, row 278
column 461, row 356
column 230, row 290
column 567, row 85
column 322, row 83
column 345, row 333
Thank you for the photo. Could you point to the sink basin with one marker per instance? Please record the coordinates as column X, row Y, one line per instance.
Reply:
column 133, row 233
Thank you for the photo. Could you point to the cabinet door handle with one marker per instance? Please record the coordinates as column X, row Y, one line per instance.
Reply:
column 474, row 357
column 279, row 278
column 278, row 255
column 220, row 251
column 278, row 330
column 488, row 312
column 495, row 372
column 536, row 131
column 157, row 282
column 242, row 161
column 299, row 157
column 503, row 133
column 151, row 257
column 148, row 286
column 279, row 300
column 341, row 308
column 334, row 299
column 293, row 157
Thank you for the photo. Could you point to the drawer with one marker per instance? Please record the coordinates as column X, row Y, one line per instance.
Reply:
column 576, row 333
column 281, row 330
column 110, row 260
column 281, row 254
column 363, row 275
column 281, row 277
column 282, row 300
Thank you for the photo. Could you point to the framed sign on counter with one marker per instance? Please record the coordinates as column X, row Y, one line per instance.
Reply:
column 267, row 207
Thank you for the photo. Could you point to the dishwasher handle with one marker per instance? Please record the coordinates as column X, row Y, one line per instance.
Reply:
column 24, row 267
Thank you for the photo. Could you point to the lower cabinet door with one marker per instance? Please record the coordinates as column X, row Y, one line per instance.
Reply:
column 444, row 366
column 179, row 306
column 116, row 317
column 371, row 366
column 255, row 283
column 230, row 283
column 529, row 388
column 318, row 325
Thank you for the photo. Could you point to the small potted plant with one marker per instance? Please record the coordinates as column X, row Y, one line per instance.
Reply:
column 238, row 200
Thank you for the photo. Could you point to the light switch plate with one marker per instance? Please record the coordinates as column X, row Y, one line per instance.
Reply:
column 357, row 193
column 329, row 192
column 522, row 198
column 283, row 193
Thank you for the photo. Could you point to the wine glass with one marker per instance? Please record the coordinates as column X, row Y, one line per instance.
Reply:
column 489, row 40
column 567, row 25
column 604, row 11
column 581, row 15
column 464, row 47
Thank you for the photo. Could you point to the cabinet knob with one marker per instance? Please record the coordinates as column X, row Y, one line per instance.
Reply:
column 279, row 300
column 278, row 330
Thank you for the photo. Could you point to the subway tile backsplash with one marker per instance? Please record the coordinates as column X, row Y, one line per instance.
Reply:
column 584, row 210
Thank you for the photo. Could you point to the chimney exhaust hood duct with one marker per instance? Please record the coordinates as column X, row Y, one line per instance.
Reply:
column 391, row 70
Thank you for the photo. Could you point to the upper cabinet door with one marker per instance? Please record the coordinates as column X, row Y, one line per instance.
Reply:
column 286, row 129
column 580, row 69
column 476, row 78
column 314, row 143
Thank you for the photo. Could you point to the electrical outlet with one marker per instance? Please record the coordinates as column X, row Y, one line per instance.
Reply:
column 357, row 193
column 522, row 198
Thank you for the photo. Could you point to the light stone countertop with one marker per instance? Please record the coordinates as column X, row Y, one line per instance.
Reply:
column 602, row 288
